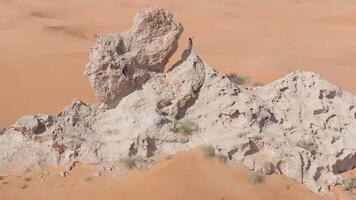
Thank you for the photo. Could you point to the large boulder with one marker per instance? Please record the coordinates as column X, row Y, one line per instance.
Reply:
column 121, row 63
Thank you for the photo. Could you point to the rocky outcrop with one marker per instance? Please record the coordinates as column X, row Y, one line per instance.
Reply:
column 120, row 63
column 300, row 126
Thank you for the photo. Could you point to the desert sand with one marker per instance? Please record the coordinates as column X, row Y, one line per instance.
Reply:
column 44, row 44
column 187, row 176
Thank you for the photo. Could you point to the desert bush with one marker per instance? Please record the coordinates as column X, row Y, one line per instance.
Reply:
column 208, row 151
column 256, row 84
column 128, row 162
column 146, row 161
column 237, row 79
column 137, row 162
column 307, row 145
column 348, row 183
column 222, row 158
column 255, row 177
column 186, row 127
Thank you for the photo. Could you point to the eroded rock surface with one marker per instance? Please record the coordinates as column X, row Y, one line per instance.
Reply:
column 120, row 63
column 300, row 126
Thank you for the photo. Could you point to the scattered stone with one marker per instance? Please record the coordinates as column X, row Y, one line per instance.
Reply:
column 63, row 174
column 96, row 174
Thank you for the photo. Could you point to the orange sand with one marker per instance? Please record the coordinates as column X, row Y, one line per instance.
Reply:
column 44, row 44
column 187, row 176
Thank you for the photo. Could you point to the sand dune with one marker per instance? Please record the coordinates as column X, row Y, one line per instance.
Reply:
column 187, row 176
column 44, row 44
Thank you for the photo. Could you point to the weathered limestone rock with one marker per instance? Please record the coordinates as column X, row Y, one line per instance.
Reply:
column 300, row 126
column 33, row 125
column 121, row 63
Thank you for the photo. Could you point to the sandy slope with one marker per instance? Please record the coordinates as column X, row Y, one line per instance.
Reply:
column 187, row 176
column 44, row 44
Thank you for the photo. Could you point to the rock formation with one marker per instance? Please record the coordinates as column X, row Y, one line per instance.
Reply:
column 300, row 126
column 120, row 63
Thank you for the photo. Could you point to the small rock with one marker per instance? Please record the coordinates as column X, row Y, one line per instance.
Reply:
column 63, row 174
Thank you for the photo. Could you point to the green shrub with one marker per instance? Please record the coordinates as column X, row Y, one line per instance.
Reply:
column 186, row 127
column 349, row 183
column 222, row 158
column 208, row 151
column 255, row 177
column 237, row 79
column 129, row 162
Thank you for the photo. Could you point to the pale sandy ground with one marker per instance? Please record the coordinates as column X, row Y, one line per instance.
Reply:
column 44, row 43
column 187, row 176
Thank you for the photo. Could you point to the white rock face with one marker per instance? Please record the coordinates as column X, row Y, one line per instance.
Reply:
column 120, row 63
column 300, row 126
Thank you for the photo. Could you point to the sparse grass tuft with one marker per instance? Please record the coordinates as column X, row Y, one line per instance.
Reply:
column 186, row 127
column 137, row 162
column 256, row 84
column 128, row 162
column 237, row 79
column 88, row 178
column 222, row 158
column 255, row 177
column 208, row 151
column 349, row 183
column 169, row 157
column 307, row 145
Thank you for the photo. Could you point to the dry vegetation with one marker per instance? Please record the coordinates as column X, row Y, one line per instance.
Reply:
column 208, row 151
column 128, row 163
column 237, row 79
column 255, row 177
column 349, row 183
column 222, row 158
column 186, row 127
column 88, row 178
column 168, row 157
